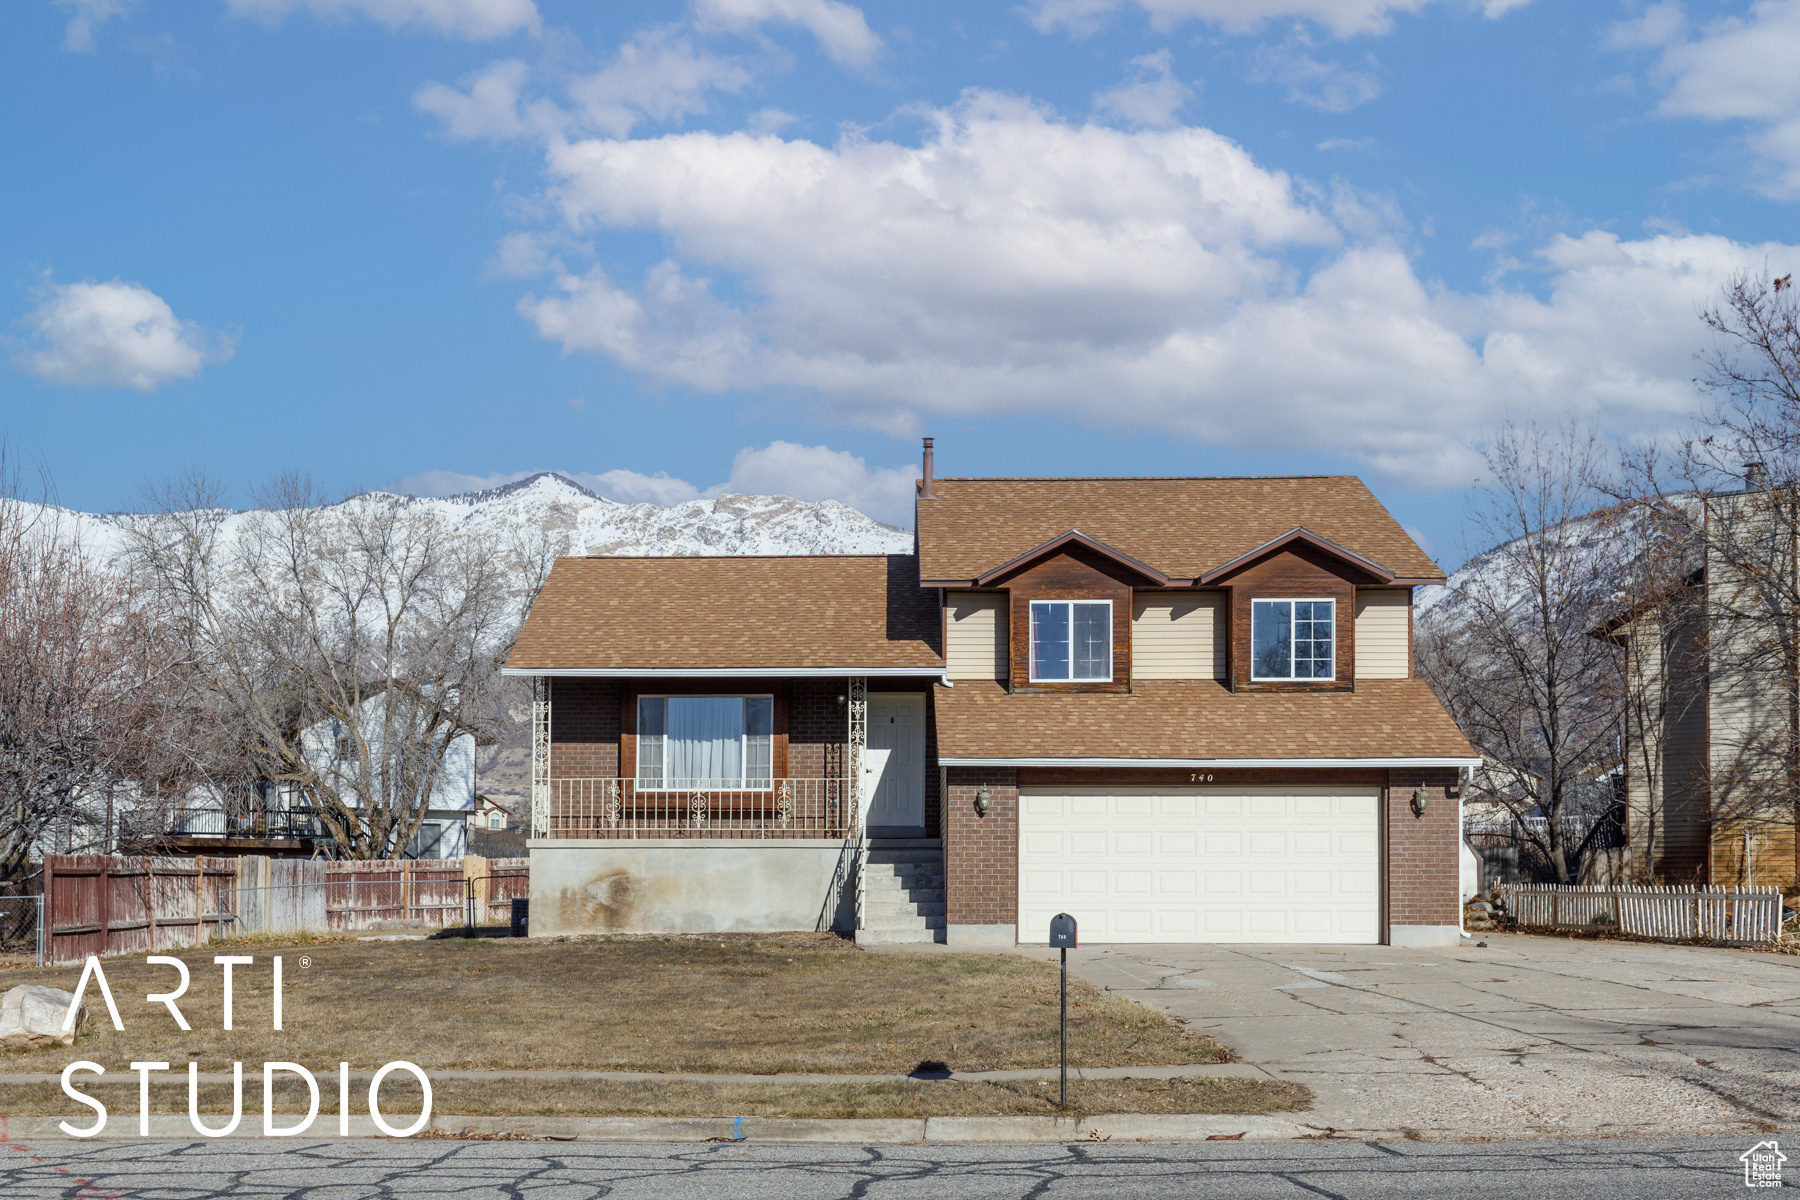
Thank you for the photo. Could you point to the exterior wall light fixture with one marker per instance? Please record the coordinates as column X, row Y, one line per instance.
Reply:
column 984, row 800
column 1420, row 798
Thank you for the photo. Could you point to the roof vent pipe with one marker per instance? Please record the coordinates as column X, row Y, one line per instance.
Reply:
column 926, row 490
column 1756, row 476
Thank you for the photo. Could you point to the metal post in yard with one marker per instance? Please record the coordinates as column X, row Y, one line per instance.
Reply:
column 1062, row 936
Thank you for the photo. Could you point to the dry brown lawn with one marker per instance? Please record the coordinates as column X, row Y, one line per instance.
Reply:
column 400, row 1098
column 722, row 1004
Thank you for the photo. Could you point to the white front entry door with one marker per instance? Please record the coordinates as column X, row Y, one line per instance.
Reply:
column 1293, row 864
column 895, row 761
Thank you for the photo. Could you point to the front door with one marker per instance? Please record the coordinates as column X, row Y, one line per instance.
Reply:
column 895, row 762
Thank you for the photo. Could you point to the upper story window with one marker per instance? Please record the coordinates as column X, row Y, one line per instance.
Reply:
column 1071, row 640
column 705, row 741
column 1293, row 639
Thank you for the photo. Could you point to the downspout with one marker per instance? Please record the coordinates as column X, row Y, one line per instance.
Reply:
column 1462, row 912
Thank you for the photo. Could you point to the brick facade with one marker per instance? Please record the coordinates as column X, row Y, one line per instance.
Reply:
column 981, row 854
column 1423, row 855
column 584, row 727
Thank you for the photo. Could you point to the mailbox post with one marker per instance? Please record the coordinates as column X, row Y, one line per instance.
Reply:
column 1062, row 937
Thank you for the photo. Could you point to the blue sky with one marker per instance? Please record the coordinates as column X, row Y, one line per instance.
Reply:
column 765, row 244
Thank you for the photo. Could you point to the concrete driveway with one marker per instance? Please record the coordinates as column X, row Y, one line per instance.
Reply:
column 1530, row 1037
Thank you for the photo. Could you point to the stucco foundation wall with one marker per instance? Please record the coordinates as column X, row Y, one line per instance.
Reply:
column 682, row 886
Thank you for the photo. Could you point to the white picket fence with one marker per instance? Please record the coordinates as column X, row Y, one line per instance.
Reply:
column 1724, row 914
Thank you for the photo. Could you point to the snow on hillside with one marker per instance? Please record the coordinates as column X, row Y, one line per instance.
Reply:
column 730, row 524
column 592, row 524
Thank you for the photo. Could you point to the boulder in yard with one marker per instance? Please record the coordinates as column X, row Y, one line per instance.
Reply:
column 32, row 1015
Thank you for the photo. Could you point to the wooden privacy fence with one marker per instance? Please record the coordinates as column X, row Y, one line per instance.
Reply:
column 293, row 896
column 1724, row 914
column 98, row 904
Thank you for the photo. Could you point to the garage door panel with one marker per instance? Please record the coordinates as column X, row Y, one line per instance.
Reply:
column 1184, row 844
column 1133, row 843
column 1246, row 865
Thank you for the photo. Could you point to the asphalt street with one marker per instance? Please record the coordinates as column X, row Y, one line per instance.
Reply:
column 343, row 1170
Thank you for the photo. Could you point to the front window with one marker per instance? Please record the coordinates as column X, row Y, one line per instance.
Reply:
column 1293, row 639
column 496, row 821
column 1071, row 640
column 705, row 741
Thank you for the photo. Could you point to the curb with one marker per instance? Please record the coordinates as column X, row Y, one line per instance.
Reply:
column 1123, row 1128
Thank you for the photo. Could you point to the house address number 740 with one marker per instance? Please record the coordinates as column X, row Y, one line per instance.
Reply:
column 1200, row 777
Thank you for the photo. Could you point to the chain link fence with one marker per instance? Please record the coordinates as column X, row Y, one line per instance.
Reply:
column 22, row 927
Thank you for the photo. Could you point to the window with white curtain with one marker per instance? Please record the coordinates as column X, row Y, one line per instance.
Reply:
column 705, row 741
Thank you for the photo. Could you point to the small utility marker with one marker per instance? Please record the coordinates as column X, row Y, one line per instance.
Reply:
column 1062, row 937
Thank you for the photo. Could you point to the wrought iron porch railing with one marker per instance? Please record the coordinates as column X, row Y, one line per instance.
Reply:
column 699, row 808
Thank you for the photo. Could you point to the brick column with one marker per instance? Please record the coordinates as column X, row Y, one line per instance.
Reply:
column 1423, row 860
column 981, row 857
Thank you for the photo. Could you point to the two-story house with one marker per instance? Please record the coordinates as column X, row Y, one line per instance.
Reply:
column 1712, row 712
column 1178, row 709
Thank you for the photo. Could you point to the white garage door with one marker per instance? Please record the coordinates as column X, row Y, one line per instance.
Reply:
column 1201, row 865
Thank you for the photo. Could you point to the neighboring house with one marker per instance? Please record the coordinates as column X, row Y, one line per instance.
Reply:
column 444, row 830
column 490, row 815
column 278, row 820
column 1710, row 717
column 1178, row 709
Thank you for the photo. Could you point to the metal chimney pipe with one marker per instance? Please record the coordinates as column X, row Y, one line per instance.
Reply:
column 926, row 490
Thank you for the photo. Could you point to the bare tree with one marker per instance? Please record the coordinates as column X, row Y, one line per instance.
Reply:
column 1508, row 649
column 356, row 642
column 90, row 724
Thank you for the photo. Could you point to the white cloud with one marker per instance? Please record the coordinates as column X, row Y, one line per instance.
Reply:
column 1343, row 18
column 821, row 473
column 1658, row 25
column 780, row 468
column 1331, row 144
column 1327, row 86
column 1737, row 69
column 114, row 334
column 658, row 75
column 1015, row 263
column 85, row 17
column 486, row 105
column 474, row 20
column 842, row 31
column 1150, row 95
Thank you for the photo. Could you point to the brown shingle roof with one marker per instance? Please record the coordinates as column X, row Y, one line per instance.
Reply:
column 1181, row 527
column 1198, row 719
column 736, row 613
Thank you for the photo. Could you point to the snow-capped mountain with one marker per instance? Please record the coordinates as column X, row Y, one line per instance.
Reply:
column 587, row 523
column 730, row 524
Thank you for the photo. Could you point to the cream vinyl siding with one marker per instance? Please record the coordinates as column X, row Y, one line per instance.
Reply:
column 1665, row 750
column 975, row 635
column 1178, row 637
column 1384, row 633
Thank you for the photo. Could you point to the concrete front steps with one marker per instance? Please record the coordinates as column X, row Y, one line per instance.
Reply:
column 903, row 897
